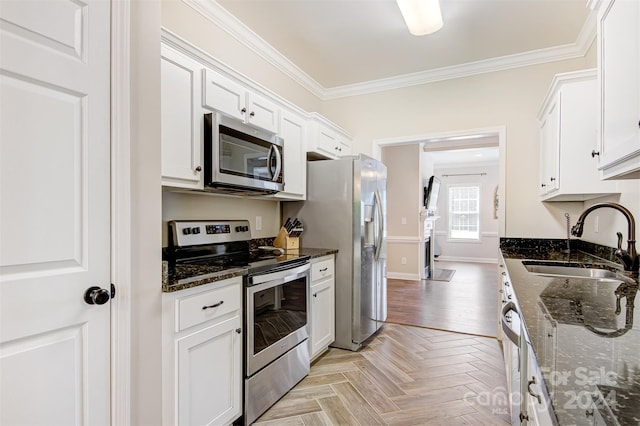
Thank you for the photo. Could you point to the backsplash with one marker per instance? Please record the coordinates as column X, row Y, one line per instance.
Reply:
column 558, row 245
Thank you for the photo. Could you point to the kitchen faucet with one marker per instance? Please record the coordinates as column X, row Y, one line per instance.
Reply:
column 629, row 257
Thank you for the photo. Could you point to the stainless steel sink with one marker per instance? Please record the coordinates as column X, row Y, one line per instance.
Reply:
column 569, row 270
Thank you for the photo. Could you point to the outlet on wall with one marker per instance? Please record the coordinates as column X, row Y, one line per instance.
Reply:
column 404, row 220
column 403, row 260
column 258, row 223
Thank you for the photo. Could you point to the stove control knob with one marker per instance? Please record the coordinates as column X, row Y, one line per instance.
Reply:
column 195, row 230
column 239, row 228
column 186, row 231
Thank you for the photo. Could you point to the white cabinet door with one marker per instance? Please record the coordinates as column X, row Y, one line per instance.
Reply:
column 261, row 112
column 54, row 214
column 235, row 100
column 322, row 305
column 182, row 120
column 568, row 133
column 224, row 95
column 619, row 66
column 323, row 315
column 209, row 374
column 293, row 131
column 326, row 140
column 549, row 148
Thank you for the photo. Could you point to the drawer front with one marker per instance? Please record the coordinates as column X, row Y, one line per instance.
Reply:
column 201, row 307
column 322, row 269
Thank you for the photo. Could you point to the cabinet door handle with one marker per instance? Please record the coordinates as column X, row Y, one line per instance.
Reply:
column 243, row 110
column 315, row 294
column 253, row 114
column 543, row 185
column 533, row 382
column 215, row 305
column 594, row 152
column 199, row 169
column 324, row 269
column 238, row 330
column 552, row 179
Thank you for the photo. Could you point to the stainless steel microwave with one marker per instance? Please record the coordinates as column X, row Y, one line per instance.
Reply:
column 240, row 158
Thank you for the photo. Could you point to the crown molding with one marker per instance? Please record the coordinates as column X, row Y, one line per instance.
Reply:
column 229, row 23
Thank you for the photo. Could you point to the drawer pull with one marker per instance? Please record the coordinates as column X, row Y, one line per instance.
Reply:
column 324, row 269
column 215, row 305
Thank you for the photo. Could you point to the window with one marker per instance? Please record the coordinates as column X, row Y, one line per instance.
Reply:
column 464, row 212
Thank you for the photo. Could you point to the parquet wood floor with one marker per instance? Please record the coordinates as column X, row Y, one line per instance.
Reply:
column 405, row 376
column 466, row 304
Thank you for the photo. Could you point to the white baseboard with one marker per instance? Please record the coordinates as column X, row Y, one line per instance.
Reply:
column 466, row 259
column 403, row 276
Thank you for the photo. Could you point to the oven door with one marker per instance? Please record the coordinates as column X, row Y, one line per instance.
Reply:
column 240, row 156
column 277, row 313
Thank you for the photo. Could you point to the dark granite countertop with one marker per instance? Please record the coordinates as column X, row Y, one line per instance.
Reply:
column 585, row 334
column 180, row 277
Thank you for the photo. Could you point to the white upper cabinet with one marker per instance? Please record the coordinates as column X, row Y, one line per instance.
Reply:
column 326, row 140
column 293, row 129
column 619, row 78
column 181, row 123
column 233, row 99
column 568, row 135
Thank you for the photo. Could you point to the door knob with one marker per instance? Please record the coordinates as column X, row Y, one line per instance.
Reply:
column 96, row 296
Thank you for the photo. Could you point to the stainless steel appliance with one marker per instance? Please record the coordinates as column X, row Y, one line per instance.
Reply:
column 346, row 209
column 276, row 303
column 240, row 158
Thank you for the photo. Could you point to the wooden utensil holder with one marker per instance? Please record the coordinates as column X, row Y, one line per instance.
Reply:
column 284, row 241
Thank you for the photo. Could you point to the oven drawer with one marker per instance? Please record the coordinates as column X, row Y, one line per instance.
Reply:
column 208, row 305
column 322, row 269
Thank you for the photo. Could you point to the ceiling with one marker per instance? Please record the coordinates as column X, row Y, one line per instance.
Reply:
column 343, row 47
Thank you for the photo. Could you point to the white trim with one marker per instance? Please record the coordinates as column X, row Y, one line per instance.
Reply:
column 466, row 259
column 404, row 240
column 489, row 235
column 403, row 276
column 229, row 23
column 120, row 213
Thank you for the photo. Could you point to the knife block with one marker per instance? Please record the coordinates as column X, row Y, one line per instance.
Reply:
column 284, row 241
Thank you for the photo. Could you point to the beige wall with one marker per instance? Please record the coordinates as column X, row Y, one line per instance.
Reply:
column 511, row 98
column 146, row 279
column 403, row 208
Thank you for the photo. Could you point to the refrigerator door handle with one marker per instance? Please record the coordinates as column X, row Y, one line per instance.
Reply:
column 380, row 225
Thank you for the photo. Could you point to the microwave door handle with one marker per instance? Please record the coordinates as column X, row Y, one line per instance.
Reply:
column 276, row 174
column 269, row 155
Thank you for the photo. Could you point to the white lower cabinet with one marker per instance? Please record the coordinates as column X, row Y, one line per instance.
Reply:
column 202, row 354
column 323, row 331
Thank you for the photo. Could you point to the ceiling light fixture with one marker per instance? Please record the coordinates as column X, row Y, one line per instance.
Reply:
column 421, row 16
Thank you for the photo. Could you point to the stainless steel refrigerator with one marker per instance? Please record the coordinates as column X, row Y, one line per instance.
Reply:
column 346, row 209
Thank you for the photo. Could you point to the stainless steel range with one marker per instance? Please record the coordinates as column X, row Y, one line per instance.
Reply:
column 276, row 303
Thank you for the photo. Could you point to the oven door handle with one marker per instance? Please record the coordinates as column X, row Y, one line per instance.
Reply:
column 506, row 329
column 280, row 277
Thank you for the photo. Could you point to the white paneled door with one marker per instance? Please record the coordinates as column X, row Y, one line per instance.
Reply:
column 54, row 211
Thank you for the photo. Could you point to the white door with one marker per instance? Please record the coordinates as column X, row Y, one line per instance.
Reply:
column 54, row 211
